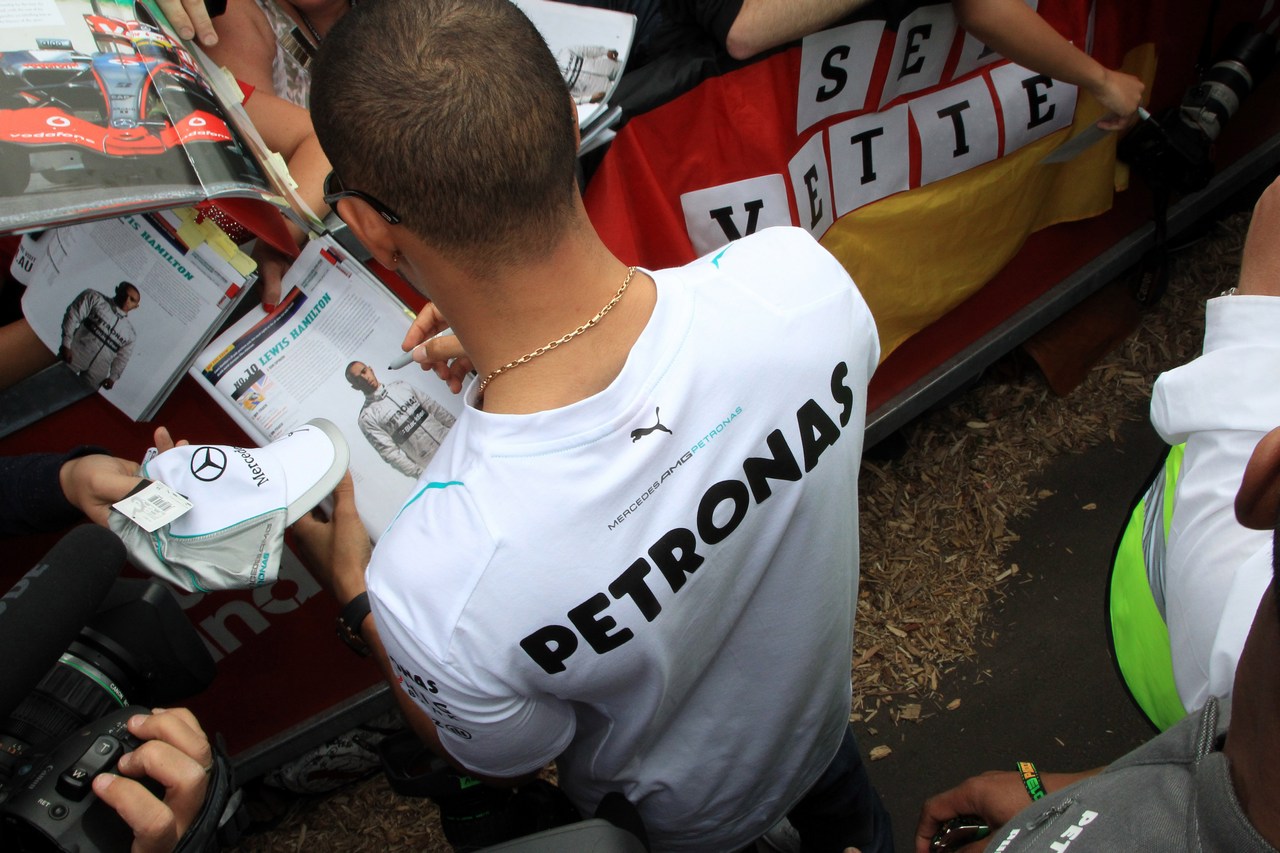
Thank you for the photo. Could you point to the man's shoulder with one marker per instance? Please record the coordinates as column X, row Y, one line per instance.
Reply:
column 440, row 533
column 782, row 258
column 765, row 243
column 783, row 271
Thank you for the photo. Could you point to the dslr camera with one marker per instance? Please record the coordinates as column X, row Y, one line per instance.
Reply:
column 1172, row 151
column 84, row 651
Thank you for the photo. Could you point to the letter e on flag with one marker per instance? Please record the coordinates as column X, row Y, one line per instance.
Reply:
column 974, row 54
column 811, row 184
column 920, row 51
column 1032, row 104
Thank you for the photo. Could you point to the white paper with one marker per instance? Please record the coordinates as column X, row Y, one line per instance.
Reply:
column 154, row 506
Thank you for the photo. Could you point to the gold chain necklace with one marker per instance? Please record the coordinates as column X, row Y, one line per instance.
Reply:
column 564, row 339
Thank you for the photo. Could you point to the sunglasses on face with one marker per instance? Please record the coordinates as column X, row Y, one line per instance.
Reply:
column 334, row 190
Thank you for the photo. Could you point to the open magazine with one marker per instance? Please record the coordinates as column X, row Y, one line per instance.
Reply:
column 324, row 352
column 103, row 112
column 591, row 46
column 127, row 303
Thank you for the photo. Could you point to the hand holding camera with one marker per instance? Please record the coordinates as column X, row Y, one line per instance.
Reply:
column 81, row 768
column 152, row 770
column 174, row 752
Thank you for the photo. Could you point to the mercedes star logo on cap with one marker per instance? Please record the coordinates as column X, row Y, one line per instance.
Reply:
column 208, row 463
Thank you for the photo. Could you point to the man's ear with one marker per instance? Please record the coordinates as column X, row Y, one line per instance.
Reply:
column 1258, row 499
column 374, row 233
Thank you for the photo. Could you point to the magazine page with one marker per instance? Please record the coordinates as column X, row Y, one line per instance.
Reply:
column 231, row 97
column 324, row 352
column 127, row 302
column 591, row 46
column 103, row 112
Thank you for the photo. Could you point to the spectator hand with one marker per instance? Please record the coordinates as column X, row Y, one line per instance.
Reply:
column 996, row 796
column 190, row 18
column 272, row 265
column 443, row 354
column 1121, row 94
column 336, row 549
column 177, row 755
column 93, row 483
column 164, row 441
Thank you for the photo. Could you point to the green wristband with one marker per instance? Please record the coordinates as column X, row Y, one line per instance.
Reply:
column 1031, row 779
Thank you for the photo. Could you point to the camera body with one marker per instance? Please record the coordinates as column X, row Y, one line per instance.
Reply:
column 54, row 808
column 138, row 647
column 1173, row 152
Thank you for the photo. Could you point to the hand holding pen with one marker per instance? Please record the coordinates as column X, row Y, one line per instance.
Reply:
column 428, row 344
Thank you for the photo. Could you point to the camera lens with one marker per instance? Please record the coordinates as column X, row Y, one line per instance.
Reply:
column 88, row 682
column 1218, row 95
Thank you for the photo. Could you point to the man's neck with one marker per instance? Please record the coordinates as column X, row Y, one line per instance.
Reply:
column 520, row 310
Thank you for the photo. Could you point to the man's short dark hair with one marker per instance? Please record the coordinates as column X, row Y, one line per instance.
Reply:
column 454, row 114
column 123, row 288
column 358, row 384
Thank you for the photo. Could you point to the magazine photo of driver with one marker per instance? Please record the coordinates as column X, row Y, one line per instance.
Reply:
column 97, row 337
column 589, row 71
column 403, row 424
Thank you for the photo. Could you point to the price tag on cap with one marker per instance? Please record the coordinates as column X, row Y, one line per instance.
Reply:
column 153, row 505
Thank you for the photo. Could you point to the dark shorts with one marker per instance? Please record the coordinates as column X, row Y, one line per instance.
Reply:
column 842, row 809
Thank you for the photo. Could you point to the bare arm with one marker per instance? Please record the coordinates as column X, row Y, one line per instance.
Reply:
column 246, row 44
column 1260, row 263
column 338, row 550
column 1016, row 32
column 287, row 130
column 765, row 24
column 995, row 796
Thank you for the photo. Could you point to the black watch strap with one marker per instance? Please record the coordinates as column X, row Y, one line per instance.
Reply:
column 349, row 621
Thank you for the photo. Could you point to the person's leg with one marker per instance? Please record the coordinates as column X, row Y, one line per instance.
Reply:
column 842, row 809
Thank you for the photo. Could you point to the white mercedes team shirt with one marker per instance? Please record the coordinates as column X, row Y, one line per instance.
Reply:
column 655, row 586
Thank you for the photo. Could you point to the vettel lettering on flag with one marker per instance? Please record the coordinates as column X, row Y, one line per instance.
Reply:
column 905, row 145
